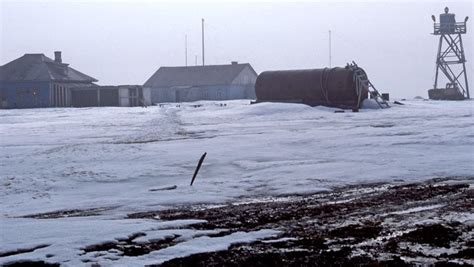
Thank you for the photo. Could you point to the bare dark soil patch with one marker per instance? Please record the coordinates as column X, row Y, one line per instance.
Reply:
column 257, row 214
column 436, row 235
column 127, row 247
column 399, row 224
column 377, row 225
column 360, row 232
column 294, row 258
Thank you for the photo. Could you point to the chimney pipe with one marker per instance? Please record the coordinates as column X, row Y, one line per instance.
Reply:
column 57, row 57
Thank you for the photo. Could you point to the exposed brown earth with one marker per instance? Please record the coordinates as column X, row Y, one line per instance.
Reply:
column 381, row 224
column 367, row 225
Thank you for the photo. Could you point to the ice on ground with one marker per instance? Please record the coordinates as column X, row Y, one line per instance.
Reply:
column 194, row 246
column 418, row 209
column 109, row 158
column 65, row 237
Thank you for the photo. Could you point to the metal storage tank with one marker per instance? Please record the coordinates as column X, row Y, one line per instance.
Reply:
column 334, row 87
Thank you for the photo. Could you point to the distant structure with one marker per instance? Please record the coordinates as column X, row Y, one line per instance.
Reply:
column 35, row 81
column 451, row 59
column 209, row 82
column 110, row 95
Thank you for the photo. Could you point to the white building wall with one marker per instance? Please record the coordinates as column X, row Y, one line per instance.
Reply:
column 242, row 87
column 166, row 95
column 123, row 97
column 245, row 77
column 147, row 96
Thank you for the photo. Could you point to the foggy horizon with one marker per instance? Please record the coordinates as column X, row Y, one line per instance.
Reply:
column 126, row 42
column 226, row 166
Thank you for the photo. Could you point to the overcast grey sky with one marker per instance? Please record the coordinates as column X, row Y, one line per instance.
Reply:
column 126, row 42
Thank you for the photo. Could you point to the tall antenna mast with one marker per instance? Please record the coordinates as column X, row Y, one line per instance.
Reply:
column 186, row 50
column 202, row 42
column 330, row 48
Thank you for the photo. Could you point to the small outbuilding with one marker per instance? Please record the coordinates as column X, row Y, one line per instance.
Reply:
column 118, row 96
column 211, row 82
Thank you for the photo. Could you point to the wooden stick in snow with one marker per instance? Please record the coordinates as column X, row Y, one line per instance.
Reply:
column 198, row 167
column 164, row 188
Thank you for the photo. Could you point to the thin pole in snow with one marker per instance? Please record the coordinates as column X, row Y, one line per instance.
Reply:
column 329, row 48
column 202, row 41
column 186, row 50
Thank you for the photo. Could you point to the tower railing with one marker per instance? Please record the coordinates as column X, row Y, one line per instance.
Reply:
column 449, row 28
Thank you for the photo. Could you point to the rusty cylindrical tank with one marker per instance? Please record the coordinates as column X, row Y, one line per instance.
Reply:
column 333, row 87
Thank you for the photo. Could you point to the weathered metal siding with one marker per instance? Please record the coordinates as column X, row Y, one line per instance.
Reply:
column 328, row 87
column 24, row 94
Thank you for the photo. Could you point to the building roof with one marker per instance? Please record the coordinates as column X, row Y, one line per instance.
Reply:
column 196, row 75
column 81, row 87
column 38, row 67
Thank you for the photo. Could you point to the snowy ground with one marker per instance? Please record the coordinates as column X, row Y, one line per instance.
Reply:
column 106, row 160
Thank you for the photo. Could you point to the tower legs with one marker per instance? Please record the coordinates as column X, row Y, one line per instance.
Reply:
column 452, row 63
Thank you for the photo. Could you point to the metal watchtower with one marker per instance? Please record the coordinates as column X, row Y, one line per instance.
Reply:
column 450, row 59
